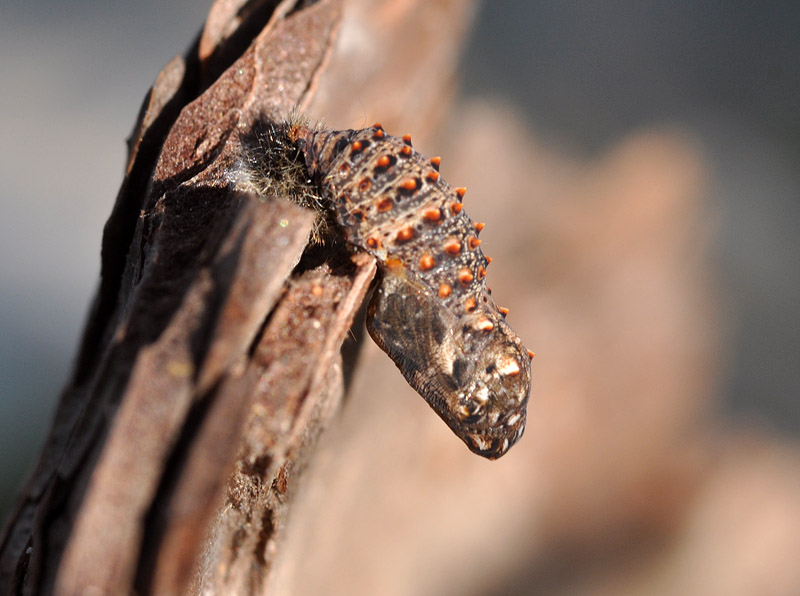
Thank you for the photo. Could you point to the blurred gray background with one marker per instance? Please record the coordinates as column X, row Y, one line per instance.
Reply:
column 584, row 75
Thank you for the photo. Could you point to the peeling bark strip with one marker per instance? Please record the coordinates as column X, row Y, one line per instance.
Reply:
column 207, row 367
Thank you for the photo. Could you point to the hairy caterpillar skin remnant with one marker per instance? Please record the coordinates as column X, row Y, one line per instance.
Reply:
column 431, row 311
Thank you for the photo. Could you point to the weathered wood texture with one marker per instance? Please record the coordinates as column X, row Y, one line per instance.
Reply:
column 211, row 363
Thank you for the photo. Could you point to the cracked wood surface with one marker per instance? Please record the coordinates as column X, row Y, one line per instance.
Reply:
column 211, row 363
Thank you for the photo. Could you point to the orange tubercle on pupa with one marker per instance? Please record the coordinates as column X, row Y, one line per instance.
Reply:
column 405, row 234
column 465, row 276
column 385, row 204
column 432, row 215
column 409, row 185
column 484, row 324
column 452, row 247
column 426, row 262
column 394, row 263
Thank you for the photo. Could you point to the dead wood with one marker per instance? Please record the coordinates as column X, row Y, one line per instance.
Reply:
column 210, row 362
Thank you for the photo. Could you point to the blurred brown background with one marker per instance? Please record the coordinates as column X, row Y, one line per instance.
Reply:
column 637, row 169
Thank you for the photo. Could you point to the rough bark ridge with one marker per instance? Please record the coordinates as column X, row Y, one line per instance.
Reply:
column 211, row 363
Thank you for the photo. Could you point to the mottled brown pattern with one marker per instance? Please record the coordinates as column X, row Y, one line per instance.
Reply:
column 432, row 312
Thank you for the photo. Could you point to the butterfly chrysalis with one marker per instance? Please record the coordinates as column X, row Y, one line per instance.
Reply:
column 431, row 311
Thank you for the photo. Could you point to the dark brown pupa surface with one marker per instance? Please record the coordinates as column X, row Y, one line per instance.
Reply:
column 431, row 312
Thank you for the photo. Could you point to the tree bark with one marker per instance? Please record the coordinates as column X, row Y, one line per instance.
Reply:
column 211, row 360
